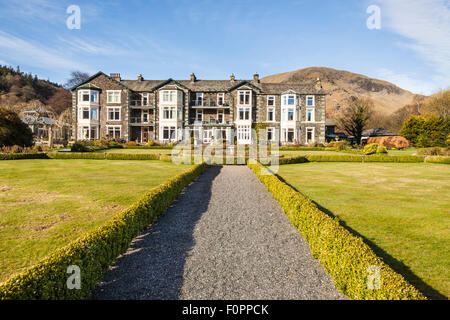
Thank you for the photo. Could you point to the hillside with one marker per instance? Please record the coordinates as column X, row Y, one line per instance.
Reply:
column 343, row 85
column 20, row 91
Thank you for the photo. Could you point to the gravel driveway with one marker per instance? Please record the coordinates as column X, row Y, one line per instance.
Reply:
column 224, row 238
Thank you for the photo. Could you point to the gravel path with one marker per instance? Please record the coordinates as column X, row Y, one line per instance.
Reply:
column 224, row 238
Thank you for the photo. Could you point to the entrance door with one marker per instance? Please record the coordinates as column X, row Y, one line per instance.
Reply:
column 244, row 135
column 144, row 135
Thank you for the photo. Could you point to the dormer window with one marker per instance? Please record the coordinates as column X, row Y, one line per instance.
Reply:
column 244, row 97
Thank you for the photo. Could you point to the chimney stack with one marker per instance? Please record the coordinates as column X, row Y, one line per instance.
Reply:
column 232, row 77
column 256, row 77
column 318, row 85
column 115, row 76
column 140, row 77
column 193, row 78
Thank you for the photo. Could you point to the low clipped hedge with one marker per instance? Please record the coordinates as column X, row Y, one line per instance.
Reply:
column 129, row 156
column 22, row 156
column 77, row 155
column 438, row 159
column 303, row 148
column 343, row 255
column 386, row 158
column 95, row 251
column 349, row 158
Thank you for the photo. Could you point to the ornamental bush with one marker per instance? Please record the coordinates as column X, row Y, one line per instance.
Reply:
column 382, row 149
column 370, row 148
column 343, row 255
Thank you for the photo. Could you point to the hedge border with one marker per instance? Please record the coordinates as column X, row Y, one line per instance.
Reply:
column 343, row 255
column 350, row 158
column 95, row 251
column 438, row 159
column 22, row 156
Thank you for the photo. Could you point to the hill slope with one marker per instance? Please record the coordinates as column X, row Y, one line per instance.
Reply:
column 20, row 91
column 343, row 85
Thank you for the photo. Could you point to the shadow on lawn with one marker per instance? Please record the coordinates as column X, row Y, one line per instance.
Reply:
column 152, row 267
column 395, row 264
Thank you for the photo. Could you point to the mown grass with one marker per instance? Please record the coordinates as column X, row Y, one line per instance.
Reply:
column 401, row 209
column 44, row 204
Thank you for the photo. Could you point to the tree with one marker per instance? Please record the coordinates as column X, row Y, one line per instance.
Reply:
column 355, row 117
column 60, row 101
column 426, row 132
column 76, row 77
column 14, row 131
column 438, row 104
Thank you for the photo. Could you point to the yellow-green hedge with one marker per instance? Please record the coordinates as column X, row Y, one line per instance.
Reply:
column 95, row 251
column 438, row 159
column 22, row 156
column 343, row 255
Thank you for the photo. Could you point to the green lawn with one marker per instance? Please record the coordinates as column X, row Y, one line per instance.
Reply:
column 402, row 210
column 44, row 204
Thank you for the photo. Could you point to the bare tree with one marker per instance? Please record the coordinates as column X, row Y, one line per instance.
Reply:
column 355, row 117
column 76, row 77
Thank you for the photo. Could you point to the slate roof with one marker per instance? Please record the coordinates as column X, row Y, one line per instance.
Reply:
column 212, row 85
column 225, row 85
column 377, row 132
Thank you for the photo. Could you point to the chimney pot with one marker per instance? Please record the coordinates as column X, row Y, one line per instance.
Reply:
column 115, row 76
column 193, row 78
column 256, row 77
column 140, row 77
column 232, row 77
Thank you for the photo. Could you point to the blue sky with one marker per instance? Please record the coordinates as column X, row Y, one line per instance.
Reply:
column 214, row 38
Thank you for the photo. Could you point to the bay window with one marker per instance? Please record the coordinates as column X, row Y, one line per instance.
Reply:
column 244, row 97
column 244, row 113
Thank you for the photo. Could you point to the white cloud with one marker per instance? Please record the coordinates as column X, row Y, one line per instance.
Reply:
column 426, row 23
column 407, row 81
column 23, row 51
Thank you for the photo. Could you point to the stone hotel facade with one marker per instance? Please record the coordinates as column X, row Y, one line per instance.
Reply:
column 160, row 110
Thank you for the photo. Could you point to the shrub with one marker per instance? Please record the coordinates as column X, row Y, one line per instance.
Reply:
column 386, row 158
column 333, row 158
column 22, row 156
column 382, row 149
column 76, row 155
column 79, row 147
column 122, row 156
column 291, row 160
column 370, row 148
column 342, row 145
column 437, row 159
column 13, row 131
column 131, row 143
column 37, row 149
column 343, row 255
column 94, row 252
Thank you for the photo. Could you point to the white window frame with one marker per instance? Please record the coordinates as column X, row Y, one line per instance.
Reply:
column 271, row 98
column 96, row 113
column 199, row 97
column 285, row 100
column 113, row 93
column 107, row 113
column 245, row 93
column 272, row 131
column 312, row 115
column 245, row 109
column 169, row 129
column 272, row 110
column 172, row 112
column 313, row 101
column 313, row 133
column 143, row 96
column 221, row 111
column 168, row 97
column 197, row 112
column 221, row 95
column 114, row 127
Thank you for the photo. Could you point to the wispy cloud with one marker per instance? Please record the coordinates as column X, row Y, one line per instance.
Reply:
column 411, row 82
column 23, row 51
column 426, row 24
